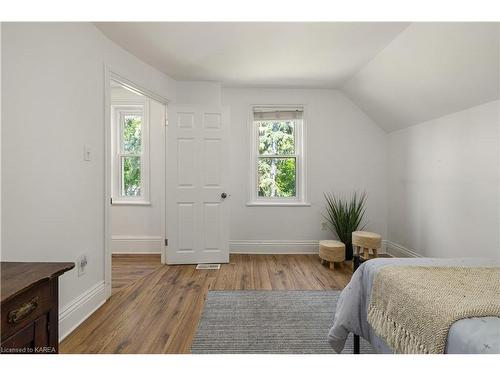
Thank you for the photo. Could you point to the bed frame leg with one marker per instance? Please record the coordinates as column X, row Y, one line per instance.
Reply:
column 356, row 262
column 355, row 349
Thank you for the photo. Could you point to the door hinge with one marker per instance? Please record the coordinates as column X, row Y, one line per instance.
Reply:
column 166, row 122
column 111, row 200
column 166, row 241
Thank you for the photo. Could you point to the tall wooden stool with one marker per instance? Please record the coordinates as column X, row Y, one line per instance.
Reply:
column 332, row 251
column 366, row 241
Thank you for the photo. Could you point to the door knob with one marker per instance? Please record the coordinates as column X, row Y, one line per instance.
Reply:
column 223, row 195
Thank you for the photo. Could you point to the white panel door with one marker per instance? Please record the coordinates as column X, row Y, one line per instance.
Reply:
column 197, row 166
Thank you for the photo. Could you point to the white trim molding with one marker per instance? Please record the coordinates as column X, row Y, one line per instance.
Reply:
column 400, row 251
column 298, row 247
column 136, row 244
column 79, row 309
column 278, row 204
column 273, row 247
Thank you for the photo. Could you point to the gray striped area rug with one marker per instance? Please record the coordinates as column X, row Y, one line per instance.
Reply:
column 280, row 322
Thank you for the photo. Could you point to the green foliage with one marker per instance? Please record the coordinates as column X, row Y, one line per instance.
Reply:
column 131, row 136
column 345, row 216
column 285, row 179
column 277, row 176
column 131, row 143
column 131, row 176
column 276, row 137
column 282, row 182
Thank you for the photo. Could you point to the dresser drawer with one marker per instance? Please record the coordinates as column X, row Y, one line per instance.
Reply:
column 23, row 309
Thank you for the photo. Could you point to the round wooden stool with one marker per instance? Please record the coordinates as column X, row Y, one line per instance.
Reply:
column 366, row 241
column 332, row 251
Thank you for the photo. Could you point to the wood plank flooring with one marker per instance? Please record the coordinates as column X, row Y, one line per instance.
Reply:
column 127, row 268
column 159, row 313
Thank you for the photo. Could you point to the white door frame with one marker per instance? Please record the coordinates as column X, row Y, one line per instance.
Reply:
column 110, row 74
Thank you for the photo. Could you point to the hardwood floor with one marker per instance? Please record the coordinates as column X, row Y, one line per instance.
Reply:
column 159, row 312
column 127, row 268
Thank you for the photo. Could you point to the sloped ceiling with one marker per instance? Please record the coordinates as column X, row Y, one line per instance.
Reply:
column 400, row 74
column 428, row 71
column 264, row 54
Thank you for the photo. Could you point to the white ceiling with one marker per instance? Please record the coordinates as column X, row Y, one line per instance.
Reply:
column 428, row 71
column 400, row 74
column 256, row 54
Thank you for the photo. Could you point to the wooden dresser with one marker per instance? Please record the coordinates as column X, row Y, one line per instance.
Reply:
column 29, row 306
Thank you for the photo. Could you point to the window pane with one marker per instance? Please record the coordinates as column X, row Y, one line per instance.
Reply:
column 276, row 137
column 277, row 177
column 131, row 176
column 131, row 134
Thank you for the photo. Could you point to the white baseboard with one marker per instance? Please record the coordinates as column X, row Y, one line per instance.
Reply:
column 136, row 253
column 398, row 251
column 136, row 244
column 273, row 247
column 78, row 310
column 302, row 247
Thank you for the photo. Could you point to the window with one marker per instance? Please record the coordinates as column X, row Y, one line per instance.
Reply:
column 278, row 174
column 130, row 154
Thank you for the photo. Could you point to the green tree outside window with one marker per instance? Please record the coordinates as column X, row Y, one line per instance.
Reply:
column 131, row 165
column 277, row 160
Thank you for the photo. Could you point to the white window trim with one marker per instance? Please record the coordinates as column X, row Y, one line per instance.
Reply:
column 301, row 165
column 118, row 108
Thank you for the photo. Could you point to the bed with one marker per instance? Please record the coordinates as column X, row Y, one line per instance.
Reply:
column 472, row 335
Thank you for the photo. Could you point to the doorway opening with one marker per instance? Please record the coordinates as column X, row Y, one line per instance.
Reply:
column 135, row 183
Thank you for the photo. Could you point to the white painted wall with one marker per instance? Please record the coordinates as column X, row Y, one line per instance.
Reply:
column 498, row 137
column 0, row 140
column 138, row 228
column 345, row 151
column 198, row 92
column 443, row 185
column 53, row 104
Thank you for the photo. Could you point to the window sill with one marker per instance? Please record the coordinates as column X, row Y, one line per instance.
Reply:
column 278, row 204
column 131, row 203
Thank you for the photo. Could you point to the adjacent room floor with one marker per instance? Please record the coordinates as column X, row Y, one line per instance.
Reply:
column 159, row 312
column 129, row 268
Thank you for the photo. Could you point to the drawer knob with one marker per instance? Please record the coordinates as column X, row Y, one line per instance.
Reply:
column 24, row 311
